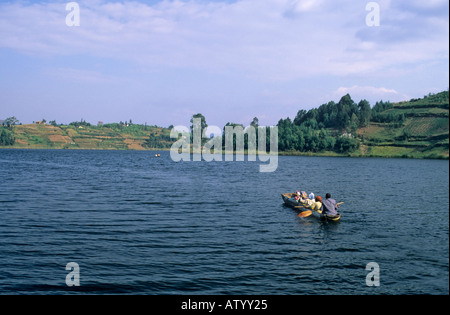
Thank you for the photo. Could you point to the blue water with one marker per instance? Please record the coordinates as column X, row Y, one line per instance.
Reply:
column 137, row 224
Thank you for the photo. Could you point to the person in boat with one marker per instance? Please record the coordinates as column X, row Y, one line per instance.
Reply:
column 317, row 205
column 329, row 206
column 301, row 196
column 306, row 200
column 295, row 197
column 310, row 200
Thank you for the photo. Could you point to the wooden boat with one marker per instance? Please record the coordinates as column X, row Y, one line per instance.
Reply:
column 288, row 201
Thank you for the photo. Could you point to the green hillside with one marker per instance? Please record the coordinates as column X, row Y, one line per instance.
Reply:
column 414, row 129
column 418, row 128
column 420, row 131
column 84, row 136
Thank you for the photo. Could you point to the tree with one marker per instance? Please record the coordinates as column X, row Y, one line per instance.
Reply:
column 255, row 122
column 81, row 123
column 405, row 135
column 6, row 137
column 354, row 123
column 300, row 143
column 365, row 113
column 300, row 118
column 285, row 135
column 10, row 122
column 346, row 107
column 233, row 131
column 198, row 123
column 377, row 110
column 346, row 144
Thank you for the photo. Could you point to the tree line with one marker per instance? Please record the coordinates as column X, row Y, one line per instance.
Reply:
column 330, row 127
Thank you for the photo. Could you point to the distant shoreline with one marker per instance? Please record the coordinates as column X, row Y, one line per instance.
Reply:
column 283, row 153
column 416, row 129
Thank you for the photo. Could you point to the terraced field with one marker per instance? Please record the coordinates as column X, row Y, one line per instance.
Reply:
column 68, row 137
column 423, row 134
column 427, row 126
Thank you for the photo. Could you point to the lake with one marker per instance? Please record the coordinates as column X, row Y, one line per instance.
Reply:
column 138, row 224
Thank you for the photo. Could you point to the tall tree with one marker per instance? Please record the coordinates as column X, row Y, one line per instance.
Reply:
column 198, row 128
column 346, row 107
column 365, row 113
column 255, row 122
column 203, row 125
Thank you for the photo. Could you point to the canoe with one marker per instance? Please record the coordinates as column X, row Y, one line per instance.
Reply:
column 299, row 206
column 289, row 202
column 329, row 218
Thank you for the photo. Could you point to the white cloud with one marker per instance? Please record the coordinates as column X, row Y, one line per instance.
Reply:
column 247, row 37
column 302, row 6
column 365, row 89
column 370, row 93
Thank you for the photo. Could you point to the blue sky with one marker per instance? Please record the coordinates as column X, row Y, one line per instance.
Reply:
column 160, row 62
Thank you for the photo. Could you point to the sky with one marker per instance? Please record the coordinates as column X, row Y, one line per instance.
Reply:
column 160, row 62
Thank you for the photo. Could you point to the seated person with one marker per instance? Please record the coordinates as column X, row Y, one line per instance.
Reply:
column 296, row 197
column 302, row 196
column 317, row 205
column 329, row 206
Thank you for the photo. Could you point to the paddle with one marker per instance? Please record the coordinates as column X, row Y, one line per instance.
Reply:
column 305, row 214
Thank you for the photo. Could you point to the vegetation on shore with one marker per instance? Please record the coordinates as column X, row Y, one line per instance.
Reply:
column 82, row 135
column 418, row 128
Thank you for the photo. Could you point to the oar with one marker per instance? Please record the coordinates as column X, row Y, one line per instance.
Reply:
column 305, row 214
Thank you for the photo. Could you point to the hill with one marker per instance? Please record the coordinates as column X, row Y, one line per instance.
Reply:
column 420, row 130
column 414, row 129
column 108, row 137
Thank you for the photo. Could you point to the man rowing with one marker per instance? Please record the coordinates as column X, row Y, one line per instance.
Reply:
column 329, row 206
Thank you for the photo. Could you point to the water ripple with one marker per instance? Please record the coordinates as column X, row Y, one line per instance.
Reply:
column 139, row 225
